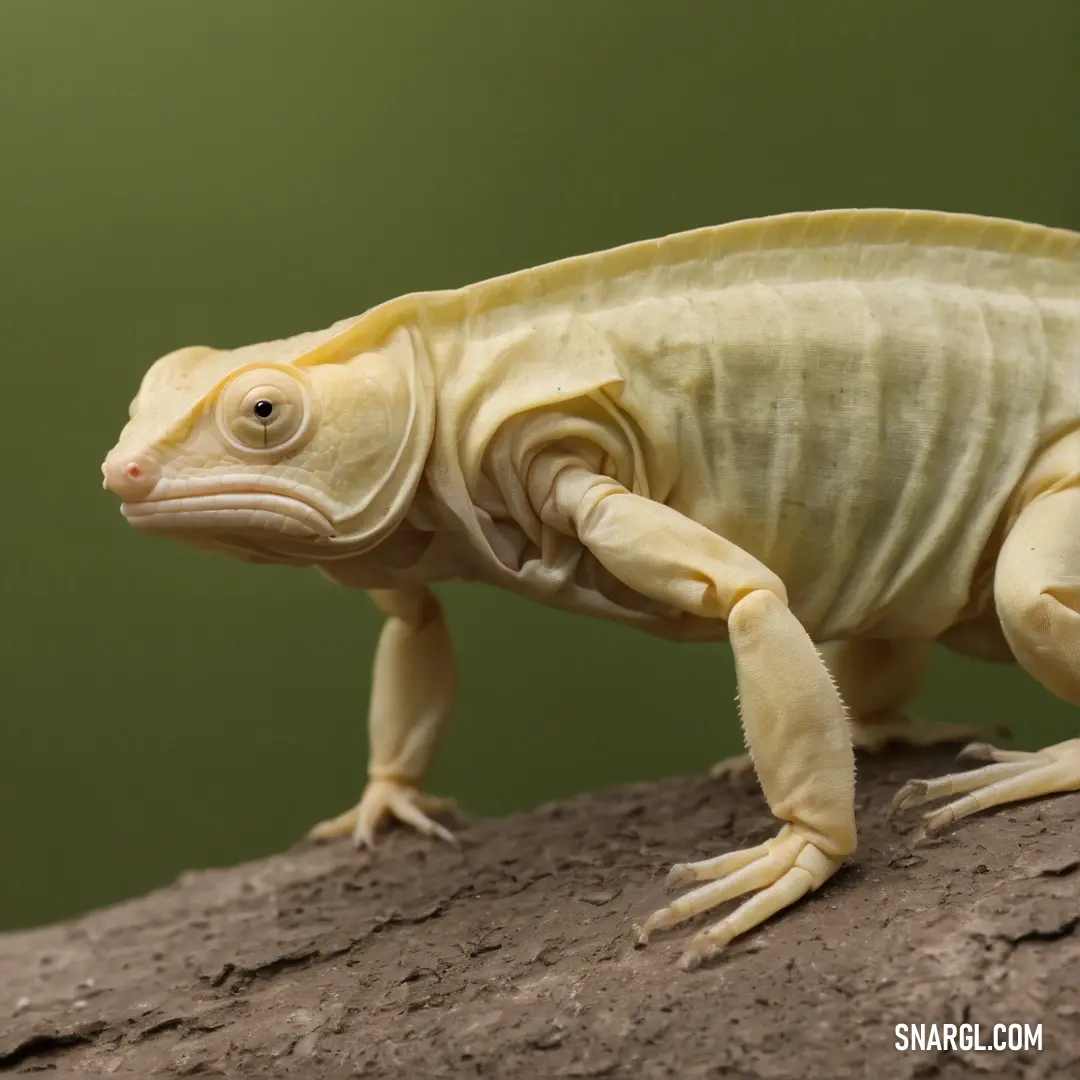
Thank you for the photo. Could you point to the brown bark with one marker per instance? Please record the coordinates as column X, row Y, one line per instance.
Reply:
column 512, row 956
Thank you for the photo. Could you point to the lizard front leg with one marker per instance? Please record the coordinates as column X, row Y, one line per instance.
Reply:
column 794, row 721
column 414, row 685
column 877, row 681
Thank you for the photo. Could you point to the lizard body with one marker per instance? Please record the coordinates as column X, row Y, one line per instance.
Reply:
column 816, row 435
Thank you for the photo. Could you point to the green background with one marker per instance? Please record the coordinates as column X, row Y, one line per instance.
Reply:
column 221, row 173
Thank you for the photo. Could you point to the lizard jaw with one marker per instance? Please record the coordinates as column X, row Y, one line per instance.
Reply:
column 230, row 503
column 232, row 511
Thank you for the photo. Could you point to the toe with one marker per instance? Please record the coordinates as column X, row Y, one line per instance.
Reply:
column 334, row 828
column 913, row 793
column 404, row 807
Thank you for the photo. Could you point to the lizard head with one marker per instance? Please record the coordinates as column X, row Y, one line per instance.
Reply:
column 293, row 451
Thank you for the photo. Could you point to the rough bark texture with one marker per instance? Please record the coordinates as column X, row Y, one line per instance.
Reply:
column 512, row 957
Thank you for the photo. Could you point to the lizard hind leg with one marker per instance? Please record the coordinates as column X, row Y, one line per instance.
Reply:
column 1037, row 595
column 878, row 680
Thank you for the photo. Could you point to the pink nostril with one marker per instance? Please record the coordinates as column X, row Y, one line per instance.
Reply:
column 131, row 478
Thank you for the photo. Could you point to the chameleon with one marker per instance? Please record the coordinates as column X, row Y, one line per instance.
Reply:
column 831, row 439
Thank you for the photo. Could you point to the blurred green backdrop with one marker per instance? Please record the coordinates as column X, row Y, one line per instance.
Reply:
column 176, row 173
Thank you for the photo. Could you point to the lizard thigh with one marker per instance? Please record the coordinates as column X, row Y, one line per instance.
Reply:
column 876, row 677
column 1037, row 591
column 878, row 680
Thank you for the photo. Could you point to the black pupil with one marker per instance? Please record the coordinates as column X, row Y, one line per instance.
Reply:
column 264, row 409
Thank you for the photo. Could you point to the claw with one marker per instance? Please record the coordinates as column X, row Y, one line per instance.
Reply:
column 913, row 793
column 387, row 799
column 679, row 876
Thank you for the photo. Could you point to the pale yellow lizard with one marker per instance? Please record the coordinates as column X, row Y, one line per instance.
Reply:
column 853, row 428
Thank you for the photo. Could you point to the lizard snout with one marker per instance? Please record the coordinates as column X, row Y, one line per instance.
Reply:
column 130, row 476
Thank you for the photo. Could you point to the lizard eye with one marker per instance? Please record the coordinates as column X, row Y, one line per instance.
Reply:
column 264, row 409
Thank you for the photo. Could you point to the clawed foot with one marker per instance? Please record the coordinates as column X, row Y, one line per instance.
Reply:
column 385, row 799
column 1014, row 775
column 732, row 768
column 889, row 728
column 784, row 868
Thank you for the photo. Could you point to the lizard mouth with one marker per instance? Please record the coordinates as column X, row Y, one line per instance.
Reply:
column 230, row 508
column 229, row 513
